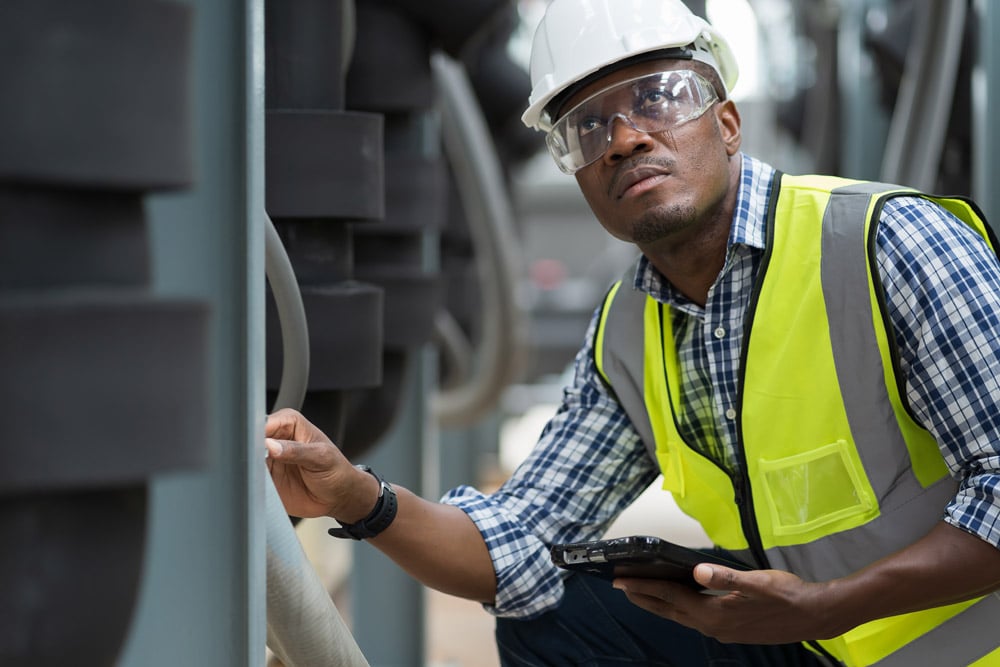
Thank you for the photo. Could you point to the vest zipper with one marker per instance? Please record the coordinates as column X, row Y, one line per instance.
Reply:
column 748, row 518
column 742, row 491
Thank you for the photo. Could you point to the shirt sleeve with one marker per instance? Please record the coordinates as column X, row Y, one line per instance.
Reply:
column 588, row 465
column 942, row 284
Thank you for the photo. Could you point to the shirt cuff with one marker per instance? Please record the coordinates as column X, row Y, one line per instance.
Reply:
column 976, row 507
column 528, row 584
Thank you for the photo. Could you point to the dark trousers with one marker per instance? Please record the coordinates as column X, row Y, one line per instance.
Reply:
column 596, row 626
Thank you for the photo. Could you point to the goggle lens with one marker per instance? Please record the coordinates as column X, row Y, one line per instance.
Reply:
column 650, row 103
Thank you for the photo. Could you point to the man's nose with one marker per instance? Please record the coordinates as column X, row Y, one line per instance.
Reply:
column 624, row 138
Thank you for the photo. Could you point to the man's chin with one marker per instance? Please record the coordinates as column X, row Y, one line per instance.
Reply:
column 661, row 223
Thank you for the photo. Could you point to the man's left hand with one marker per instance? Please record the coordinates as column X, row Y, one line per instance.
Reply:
column 755, row 607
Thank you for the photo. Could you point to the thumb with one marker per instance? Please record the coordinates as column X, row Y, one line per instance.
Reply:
column 716, row 577
column 311, row 456
column 279, row 449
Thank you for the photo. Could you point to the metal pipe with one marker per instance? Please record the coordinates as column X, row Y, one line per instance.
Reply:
column 920, row 119
column 480, row 181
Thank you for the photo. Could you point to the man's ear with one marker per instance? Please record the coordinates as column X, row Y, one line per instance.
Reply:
column 729, row 122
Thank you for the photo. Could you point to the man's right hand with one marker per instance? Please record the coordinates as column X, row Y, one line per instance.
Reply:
column 311, row 474
column 437, row 544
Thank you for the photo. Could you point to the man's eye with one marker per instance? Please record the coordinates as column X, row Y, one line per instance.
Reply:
column 653, row 98
column 588, row 125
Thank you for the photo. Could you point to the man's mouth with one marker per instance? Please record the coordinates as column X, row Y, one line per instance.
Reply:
column 638, row 180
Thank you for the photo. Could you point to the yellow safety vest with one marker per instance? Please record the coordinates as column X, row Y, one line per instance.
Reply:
column 835, row 472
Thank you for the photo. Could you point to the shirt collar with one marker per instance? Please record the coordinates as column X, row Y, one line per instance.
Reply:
column 749, row 227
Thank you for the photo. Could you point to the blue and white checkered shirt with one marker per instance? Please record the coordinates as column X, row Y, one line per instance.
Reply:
column 943, row 288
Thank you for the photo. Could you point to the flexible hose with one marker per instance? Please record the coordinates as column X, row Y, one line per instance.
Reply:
column 456, row 350
column 481, row 188
column 304, row 628
column 292, row 317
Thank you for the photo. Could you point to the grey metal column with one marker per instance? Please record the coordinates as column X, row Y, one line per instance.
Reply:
column 864, row 124
column 202, row 597
column 388, row 605
column 920, row 119
column 985, row 110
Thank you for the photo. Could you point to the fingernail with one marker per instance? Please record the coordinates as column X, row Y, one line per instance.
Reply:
column 274, row 446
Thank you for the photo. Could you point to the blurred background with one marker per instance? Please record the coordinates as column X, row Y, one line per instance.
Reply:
column 209, row 210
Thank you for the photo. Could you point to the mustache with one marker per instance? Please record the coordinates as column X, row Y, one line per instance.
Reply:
column 631, row 163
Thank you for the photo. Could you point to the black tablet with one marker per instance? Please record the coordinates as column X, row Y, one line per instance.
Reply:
column 637, row 556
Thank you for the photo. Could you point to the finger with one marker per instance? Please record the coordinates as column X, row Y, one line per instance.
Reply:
column 288, row 424
column 651, row 588
column 662, row 603
column 311, row 456
column 281, row 424
column 644, row 591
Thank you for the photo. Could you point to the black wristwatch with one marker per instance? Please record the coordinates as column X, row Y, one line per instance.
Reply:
column 380, row 517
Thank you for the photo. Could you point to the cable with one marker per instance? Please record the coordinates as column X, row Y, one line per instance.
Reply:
column 292, row 318
column 480, row 181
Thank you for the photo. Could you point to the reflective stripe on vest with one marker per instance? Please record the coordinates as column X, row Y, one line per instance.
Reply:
column 816, row 317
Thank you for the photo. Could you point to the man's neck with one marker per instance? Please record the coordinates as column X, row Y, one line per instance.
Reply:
column 691, row 268
column 693, row 261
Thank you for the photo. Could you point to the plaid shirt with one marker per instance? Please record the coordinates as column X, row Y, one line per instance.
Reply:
column 943, row 288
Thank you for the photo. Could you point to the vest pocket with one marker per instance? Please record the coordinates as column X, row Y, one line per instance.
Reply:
column 813, row 489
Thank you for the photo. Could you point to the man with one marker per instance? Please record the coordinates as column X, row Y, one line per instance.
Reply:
column 810, row 362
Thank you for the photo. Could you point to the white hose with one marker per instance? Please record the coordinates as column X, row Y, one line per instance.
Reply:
column 292, row 316
column 304, row 628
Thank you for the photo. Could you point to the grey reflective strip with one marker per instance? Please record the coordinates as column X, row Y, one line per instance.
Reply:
column 906, row 508
column 961, row 640
column 880, row 444
column 624, row 356
column 845, row 552
column 855, row 348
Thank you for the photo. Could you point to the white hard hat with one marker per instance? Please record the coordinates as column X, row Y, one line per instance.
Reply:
column 577, row 38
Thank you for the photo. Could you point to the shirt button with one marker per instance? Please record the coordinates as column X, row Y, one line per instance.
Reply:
column 731, row 414
column 720, row 332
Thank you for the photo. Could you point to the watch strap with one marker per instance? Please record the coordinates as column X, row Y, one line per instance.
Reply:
column 379, row 518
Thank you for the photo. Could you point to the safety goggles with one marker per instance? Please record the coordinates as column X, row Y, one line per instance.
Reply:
column 651, row 103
